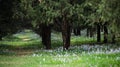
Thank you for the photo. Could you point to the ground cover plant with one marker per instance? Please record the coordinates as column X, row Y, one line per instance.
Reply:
column 31, row 53
column 95, row 56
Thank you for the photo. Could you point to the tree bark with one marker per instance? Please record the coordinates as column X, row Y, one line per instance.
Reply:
column 0, row 37
column 98, row 33
column 105, row 34
column 75, row 31
column 46, row 36
column 66, row 33
column 87, row 32
column 113, row 38
column 78, row 31
column 90, row 32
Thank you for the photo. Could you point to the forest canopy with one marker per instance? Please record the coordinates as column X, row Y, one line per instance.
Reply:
column 65, row 16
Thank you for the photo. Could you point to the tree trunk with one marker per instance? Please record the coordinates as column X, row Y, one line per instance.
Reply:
column 113, row 38
column 78, row 31
column 0, row 37
column 105, row 34
column 91, row 32
column 66, row 33
column 75, row 31
column 87, row 32
column 98, row 33
column 46, row 36
column 43, row 35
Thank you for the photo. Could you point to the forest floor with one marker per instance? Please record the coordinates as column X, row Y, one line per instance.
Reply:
column 25, row 50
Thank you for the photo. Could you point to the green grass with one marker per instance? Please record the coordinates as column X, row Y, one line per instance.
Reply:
column 26, row 40
column 76, row 56
column 77, row 40
column 66, row 59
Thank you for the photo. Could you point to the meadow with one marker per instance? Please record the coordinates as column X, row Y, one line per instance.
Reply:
column 26, row 50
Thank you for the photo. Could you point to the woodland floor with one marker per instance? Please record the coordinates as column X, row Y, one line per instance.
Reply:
column 25, row 50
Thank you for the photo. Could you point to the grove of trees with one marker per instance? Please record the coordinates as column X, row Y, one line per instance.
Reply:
column 66, row 16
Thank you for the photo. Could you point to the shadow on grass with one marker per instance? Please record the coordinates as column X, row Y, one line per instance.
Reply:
column 6, row 49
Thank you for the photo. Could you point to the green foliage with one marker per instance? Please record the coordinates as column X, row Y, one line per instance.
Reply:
column 23, row 10
column 45, row 12
column 114, row 9
column 19, row 14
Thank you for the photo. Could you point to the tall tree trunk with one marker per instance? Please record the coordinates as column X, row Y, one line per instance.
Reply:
column 113, row 38
column 75, row 31
column 91, row 32
column 105, row 34
column 0, row 37
column 66, row 33
column 98, row 33
column 46, row 36
column 43, row 35
column 87, row 32
column 78, row 31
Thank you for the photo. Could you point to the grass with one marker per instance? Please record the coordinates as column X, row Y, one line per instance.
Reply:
column 77, row 40
column 13, row 51
column 65, row 59
column 29, row 38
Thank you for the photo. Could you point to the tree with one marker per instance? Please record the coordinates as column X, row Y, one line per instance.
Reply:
column 65, row 15
column 109, row 12
column 36, row 15
column 7, row 24
column 114, row 9
column 44, row 18
column 98, row 16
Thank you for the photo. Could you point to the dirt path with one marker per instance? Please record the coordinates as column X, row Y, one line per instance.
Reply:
column 23, row 52
column 17, row 51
